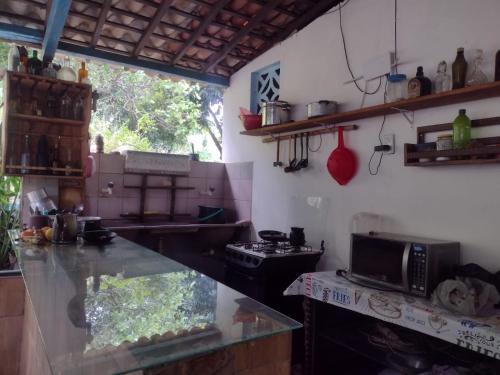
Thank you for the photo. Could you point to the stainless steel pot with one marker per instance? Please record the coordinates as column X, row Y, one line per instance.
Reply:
column 64, row 228
column 321, row 108
column 276, row 112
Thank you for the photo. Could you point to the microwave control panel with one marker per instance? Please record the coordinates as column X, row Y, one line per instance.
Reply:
column 418, row 263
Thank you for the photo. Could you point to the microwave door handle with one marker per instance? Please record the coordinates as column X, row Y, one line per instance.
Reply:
column 406, row 258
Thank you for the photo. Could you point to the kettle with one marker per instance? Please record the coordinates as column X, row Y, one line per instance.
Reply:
column 64, row 228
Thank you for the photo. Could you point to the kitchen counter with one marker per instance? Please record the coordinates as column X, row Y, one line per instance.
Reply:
column 124, row 225
column 121, row 308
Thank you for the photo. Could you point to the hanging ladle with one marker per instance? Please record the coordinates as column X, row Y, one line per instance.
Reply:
column 304, row 162
column 277, row 163
column 293, row 162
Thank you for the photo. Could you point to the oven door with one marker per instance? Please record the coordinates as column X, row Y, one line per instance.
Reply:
column 379, row 261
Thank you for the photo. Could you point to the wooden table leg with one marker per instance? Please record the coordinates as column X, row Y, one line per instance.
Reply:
column 309, row 335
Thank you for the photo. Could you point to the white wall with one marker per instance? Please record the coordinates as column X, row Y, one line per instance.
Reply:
column 459, row 203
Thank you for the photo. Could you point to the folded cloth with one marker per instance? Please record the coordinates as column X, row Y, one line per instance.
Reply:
column 466, row 296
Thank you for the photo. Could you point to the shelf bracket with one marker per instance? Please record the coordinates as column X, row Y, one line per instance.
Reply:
column 408, row 115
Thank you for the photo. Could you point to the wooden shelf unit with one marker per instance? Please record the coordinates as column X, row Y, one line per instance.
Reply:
column 466, row 94
column 142, row 215
column 487, row 150
column 74, row 134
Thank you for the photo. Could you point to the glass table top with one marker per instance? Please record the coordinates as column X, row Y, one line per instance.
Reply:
column 121, row 308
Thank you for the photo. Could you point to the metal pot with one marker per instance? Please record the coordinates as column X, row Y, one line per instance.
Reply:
column 277, row 112
column 64, row 228
column 321, row 108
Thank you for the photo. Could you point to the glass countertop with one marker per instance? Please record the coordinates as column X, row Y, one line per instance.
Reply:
column 119, row 308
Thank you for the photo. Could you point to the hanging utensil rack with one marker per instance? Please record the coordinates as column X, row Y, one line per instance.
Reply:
column 326, row 130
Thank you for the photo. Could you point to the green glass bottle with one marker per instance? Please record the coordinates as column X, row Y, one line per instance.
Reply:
column 461, row 130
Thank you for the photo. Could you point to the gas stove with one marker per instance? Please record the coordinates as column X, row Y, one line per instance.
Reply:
column 255, row 254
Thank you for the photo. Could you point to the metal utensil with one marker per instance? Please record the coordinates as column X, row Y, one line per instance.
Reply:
column 304, row 161
column 277, row 163
column 293, row 162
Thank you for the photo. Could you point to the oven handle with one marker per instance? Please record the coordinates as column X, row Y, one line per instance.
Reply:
column 232, row 270
column 406, row 258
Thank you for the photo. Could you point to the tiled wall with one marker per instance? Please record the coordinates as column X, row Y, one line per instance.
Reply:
column 231, row 184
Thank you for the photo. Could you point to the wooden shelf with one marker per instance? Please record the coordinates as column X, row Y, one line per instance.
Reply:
column 51, row 120
column 466, row 94
column 44, row 169
column 54, row 81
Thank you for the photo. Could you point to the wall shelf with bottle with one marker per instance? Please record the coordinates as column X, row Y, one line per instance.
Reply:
column 45, row 126
column 478, row 92
column 480, row 150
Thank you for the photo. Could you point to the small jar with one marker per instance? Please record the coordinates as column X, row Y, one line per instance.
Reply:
column 444, row 142
column 397, row 87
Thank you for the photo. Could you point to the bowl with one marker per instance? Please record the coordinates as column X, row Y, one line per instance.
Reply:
column 251, row 121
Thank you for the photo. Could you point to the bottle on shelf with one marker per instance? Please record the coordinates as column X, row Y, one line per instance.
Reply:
column 55, row 155
column 83, row 74
column 459, row 70
column 13, row 58
column 35, row 66
column 26, row 155
column 50, row 71
column 442, row 81
column 66, row 107
column 477, row 76
column 66, row 73
column 78, row 108
column 497, row 66
column 42, row 152
column 461, row 130
column 69, row 163
column 420, row 85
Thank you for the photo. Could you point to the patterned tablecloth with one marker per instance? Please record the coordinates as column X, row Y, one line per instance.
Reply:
column 480, row 334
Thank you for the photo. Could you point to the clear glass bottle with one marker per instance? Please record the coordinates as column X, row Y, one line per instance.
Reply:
column 442, row 81
column 459, row 70
column 26, row 155
column 66, row 107
column 13, row 58
column 78, row 108
column 461, row 130
column 55, row 163
column 50, row 71
column 66, row 73
column 477, row 76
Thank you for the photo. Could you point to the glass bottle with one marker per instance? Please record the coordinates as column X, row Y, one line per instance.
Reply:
column 66, row 107
column 497, row 66
column 442, row 81
column 83, row 74
column 459, row 70
column 13, row 58
column 66, row 73
column 477, row 76
column 25, row 155
column 420, row 85
column 78, row 108
column 69, row 164
column 35, row 66
column 396, row 87
column 50, row 71
column 461, row 130
column 51, row 106
column 42, row 151
column 55, row 155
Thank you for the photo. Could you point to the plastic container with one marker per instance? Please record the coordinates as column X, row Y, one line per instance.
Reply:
column 397, row 87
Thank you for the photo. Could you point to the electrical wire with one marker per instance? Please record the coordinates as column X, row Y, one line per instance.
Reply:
column 396, row 35
column 347, row 60
column 337, row 9
column 375, row 172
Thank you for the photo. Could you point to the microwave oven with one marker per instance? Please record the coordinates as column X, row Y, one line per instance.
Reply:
column 408, row 264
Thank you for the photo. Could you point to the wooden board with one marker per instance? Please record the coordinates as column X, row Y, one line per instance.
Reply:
column 466, row 94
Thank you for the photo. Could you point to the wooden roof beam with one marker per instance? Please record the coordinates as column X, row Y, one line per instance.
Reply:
column 256, row 20
column 201, row 29
column 106, row 5
column 160, row 12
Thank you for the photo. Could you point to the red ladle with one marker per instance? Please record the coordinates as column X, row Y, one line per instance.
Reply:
column 342, row 163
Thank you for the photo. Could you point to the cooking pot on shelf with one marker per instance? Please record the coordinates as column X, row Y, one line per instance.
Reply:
column 321, row 108
column 275, row 112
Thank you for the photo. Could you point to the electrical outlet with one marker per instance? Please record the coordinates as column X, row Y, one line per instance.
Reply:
column 388, row 139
